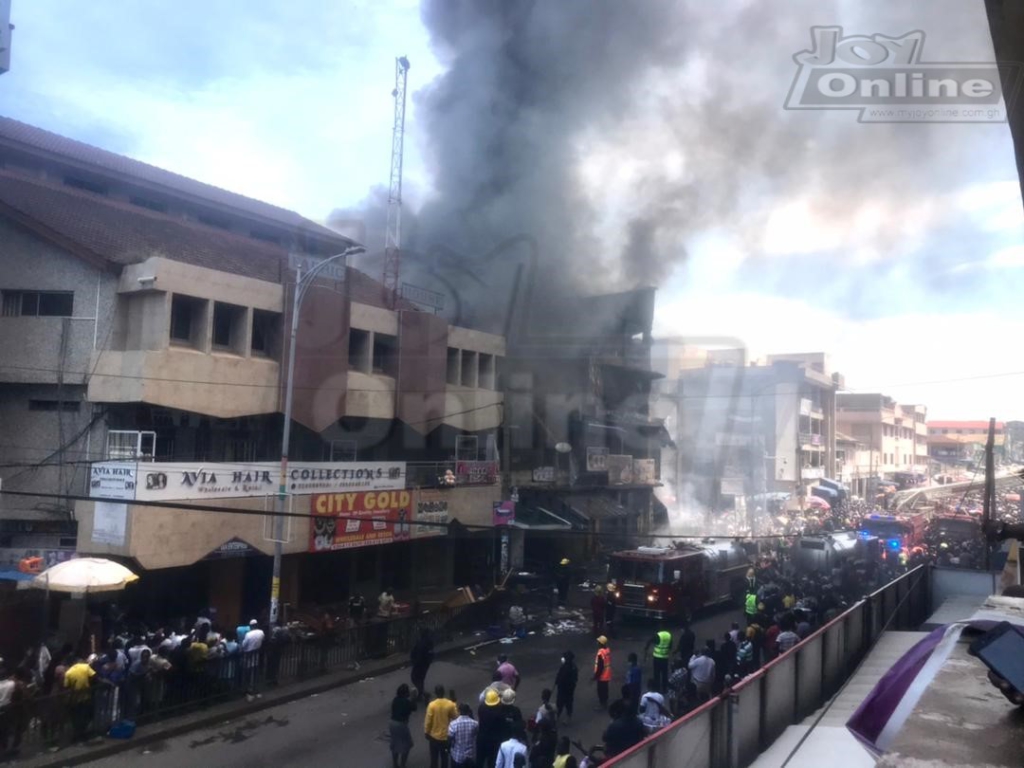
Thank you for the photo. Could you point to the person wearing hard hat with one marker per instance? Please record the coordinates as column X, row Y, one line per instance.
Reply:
column 597, row 606
column 602, row 670
column 491, row 731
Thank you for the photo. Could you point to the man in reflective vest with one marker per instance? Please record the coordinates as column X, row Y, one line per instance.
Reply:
column 750, row 607
column 602, row 670
column 662, row 643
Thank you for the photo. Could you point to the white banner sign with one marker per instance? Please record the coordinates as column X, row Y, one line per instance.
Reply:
column 109, row 522
column 112, row 480
column 157, row 481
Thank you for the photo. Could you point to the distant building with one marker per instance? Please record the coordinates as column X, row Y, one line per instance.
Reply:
column 745, row 430
column 894, row 436
column 962, row 443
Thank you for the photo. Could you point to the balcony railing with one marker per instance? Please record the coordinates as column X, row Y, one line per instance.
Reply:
column 807, row 438
column 451, row 474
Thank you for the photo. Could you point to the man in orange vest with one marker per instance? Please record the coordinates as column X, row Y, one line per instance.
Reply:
column 603, row 670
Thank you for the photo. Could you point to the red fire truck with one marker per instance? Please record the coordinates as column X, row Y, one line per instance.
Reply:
column 896, row 532
column 675, row 581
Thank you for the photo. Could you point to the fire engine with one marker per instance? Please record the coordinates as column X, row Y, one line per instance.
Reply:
column 954, row 528
column 896, row 532
column 675, row 581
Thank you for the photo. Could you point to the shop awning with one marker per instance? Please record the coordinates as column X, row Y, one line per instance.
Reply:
column 824, row 492
column 539, row 518
column 596, row 508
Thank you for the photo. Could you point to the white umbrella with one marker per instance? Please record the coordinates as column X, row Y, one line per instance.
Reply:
column 85, row 574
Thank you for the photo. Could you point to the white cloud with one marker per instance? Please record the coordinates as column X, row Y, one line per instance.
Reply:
column 948, row 362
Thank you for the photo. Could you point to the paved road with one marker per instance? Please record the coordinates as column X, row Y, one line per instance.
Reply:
column 348, row 726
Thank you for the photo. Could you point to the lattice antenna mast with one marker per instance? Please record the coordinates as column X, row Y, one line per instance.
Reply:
column 393, row 236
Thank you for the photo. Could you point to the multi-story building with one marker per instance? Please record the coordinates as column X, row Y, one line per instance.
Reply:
column 894, row 436
column 142, row 318
column 584, row 448
column 959, row 443
column 745, row 430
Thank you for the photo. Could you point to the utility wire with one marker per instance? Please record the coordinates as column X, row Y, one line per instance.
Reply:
column 310, row 515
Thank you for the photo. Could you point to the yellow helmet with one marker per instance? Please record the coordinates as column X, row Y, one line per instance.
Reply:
column 491, row 698
column 565, row 561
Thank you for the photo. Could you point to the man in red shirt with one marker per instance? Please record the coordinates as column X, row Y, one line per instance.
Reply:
column 771, row 641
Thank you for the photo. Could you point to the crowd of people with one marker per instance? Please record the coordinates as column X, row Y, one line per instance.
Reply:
column 129, row 676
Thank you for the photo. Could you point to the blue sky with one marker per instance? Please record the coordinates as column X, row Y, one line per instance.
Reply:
column 898, row 249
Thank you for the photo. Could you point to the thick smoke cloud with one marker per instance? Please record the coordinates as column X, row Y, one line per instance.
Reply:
column 534, row 89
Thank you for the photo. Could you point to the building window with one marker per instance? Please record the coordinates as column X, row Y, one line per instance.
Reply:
column 213, row 221
column 454, row 356
column 69, row 406
column 86, row 184
column 267, row 237
column 38, row 303
column 151, row 205
column 228, row 326
column 359, row 352
column 385, row 354
column 185, row 318
column 131, row 445
column 487, row 372
column 264, row 332
column 469, row 368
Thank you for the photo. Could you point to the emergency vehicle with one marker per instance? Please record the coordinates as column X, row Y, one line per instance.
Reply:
column 823, row 553
column 954, row 528
column 898, row 533
column 675, row 581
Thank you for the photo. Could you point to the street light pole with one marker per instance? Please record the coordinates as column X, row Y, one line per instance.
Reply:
column 302, row 284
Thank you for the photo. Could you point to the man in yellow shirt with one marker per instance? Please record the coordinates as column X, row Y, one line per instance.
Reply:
column 79, row 681
column 440, row 714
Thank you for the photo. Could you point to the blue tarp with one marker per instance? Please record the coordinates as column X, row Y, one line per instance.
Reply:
column 15, row 576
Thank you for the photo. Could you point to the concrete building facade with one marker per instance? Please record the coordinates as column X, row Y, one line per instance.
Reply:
column 894, row 437
column 744, row 430
column 143, row 318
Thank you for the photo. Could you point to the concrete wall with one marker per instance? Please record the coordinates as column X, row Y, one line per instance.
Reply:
column 477, row 341
column 178, row 277
column 374, row 319
column 29, row 346
column 30, row 358
column 221, row 385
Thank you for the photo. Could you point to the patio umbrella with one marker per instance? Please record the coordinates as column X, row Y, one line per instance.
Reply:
column 85, row 575
column 818, row 502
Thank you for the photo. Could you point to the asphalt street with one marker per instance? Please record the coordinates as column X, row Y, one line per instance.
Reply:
column 347, row 726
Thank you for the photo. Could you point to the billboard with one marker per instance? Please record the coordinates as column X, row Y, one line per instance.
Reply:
column 645, row 471
column 476, row 472
column 360, row 519
column 112, row 480
column 504, row 512
column 597, row 459
column 161, row 481
column 620, row 469
column 431, row 507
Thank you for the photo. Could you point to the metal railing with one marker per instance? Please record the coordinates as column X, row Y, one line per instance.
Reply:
column 43, row 721
column 731, row 730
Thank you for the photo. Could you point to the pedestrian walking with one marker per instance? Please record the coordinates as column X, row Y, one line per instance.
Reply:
column 565, row 683
column 440, row 714
column 462, row 736
column 545, row 714
column 542, row 754
column 562, row 579
column 402, row 706
column 662, row 644
column 702, row 671
column 509, row 674
column 563, row 754
column 421, row 657
column 602, row 670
